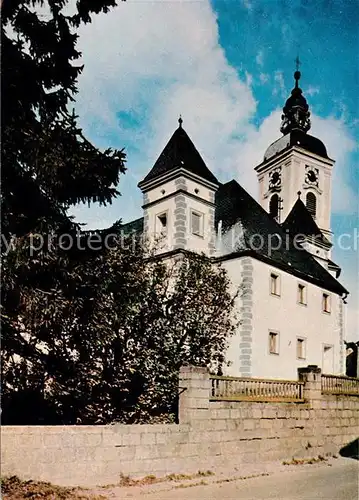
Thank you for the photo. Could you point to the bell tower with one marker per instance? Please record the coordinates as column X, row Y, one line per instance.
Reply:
column 296, row 162
column 179, row 199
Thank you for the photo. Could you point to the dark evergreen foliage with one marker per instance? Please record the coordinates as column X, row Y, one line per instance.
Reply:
column 88, row 335
column 47, row 163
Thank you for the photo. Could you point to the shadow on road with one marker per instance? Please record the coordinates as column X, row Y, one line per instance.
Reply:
column 351, row 450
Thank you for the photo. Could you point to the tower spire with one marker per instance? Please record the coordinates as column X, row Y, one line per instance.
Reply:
column 296, row 113
column 297, row 73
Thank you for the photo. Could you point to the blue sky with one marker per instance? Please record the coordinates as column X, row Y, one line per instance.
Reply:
column 227, row 66
column 323, row 33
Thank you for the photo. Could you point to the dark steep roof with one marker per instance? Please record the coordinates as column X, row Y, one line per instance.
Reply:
column 261, row 237
column 180, row 152
column 296, row 138
column 334, row 267
column 135, row 226
column 300, row 221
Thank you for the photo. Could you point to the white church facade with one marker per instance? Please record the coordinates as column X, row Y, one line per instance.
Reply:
column 276, row 249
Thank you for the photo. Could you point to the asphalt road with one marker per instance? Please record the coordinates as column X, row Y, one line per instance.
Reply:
column 336, row 482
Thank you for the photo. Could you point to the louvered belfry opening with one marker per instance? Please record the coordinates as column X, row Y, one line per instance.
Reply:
column 274, row 206
column 311, row 204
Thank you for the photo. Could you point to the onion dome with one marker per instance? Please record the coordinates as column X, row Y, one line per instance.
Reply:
column 295, row 125
column 296, row 110
column 296, row 138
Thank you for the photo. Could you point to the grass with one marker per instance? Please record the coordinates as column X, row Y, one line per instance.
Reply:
column 199, row 483
column 239, row 478
column 305, row 461
column 126, row 481
column 13, row 488
column 183, row 477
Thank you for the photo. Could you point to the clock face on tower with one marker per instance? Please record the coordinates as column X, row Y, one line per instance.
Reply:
column 274, row 179
column 311, row 175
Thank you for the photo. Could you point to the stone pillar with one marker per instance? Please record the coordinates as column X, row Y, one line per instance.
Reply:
column 194, row 394
column 312, row 390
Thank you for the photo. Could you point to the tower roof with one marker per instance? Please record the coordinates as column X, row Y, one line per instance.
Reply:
column 300, row 221
column 296, row 138
column 296, row 115
column 180, row 152
column 295, row 125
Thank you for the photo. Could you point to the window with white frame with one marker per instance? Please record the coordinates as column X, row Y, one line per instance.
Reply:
column 302, row 294
column 273, row 343
column 196, row 223
column 326, row 303
column 301, row 348
column 274, row 284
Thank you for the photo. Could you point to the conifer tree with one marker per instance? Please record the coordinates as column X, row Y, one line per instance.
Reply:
column 87, row 335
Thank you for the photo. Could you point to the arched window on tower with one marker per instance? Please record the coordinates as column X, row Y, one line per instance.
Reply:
column 274, row 206
column 311, row 203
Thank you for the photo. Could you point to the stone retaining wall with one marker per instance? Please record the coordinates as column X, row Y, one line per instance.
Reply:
column 210, row 435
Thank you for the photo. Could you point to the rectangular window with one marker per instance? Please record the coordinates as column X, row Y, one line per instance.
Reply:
column 274, row 284
column 326, row 303
column 300, row 348
column 302, row 299
column 273, row 343
column 196, row 223
column 161, row 222
column 328, row 359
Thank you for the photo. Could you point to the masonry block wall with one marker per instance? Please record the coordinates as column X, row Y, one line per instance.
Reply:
column 210, row 435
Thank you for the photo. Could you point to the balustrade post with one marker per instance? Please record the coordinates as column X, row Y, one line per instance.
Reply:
column 312, row 389
column 194, row 394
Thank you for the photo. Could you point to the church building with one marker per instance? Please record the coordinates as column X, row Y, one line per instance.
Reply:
column 276, row 249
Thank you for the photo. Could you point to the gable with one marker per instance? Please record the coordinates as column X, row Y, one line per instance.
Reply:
column 300, row 222
column 254, row 232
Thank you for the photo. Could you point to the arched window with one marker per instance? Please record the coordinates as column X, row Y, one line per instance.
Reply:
column 274, row 206
column 311, row 202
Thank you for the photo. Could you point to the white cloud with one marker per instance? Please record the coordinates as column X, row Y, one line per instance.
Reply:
column 311, row 90
column 249, row 79
column 279, row 88
column 167, row 60
column 247, row 4
column 339, row 144
column 259, row 58
column 263, row 77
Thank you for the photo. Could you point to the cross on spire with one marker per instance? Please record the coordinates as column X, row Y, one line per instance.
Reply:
column 297, row 74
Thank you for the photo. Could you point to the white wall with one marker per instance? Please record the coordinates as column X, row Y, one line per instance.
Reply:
column 163, row 242
column 240, row 351
column 178, row 198
column 172, row 185
column 262, row 312
column 200, row 243
column 285, row 315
